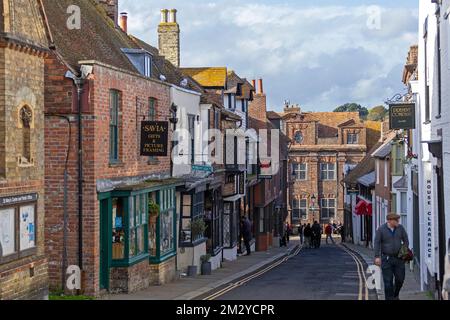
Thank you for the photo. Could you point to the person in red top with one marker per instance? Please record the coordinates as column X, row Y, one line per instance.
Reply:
column 329, row 233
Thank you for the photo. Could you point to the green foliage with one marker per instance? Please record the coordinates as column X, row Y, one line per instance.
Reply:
column 353, row 107
column 198, row 228
column 378, row 113
column 153, row 208
column 205, row 258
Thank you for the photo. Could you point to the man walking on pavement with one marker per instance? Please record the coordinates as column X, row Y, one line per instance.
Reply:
column 301, row 229
column 247, row 234
column 329, row 233
column 389, row 240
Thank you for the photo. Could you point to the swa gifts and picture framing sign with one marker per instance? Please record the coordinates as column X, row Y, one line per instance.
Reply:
column 154, row 138
column 402, row 116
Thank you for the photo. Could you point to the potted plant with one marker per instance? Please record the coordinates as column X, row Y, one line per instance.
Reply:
column 206, row 265
column 198, row 228
column 153, row 210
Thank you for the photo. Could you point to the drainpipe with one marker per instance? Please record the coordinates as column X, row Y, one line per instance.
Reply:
column 79, row 82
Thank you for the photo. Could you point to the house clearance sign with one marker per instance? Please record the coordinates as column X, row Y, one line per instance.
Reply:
column 154, row 138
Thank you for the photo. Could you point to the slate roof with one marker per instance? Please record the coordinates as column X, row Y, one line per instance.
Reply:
column 385, row 150
column 366, row 166
column 402, row 183
column 209, row 77
column 368, row 180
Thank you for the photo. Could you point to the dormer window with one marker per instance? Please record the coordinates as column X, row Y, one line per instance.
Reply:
column 142, row 60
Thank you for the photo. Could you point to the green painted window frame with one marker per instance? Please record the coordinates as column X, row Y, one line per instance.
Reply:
column 114, row 125
column 167, row 204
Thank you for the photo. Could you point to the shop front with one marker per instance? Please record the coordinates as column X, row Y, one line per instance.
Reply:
column 231, row 229
column 213, row 219
column 137, row 237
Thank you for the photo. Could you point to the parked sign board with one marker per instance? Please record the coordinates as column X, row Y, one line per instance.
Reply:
column 154, row 138
column 402, row 116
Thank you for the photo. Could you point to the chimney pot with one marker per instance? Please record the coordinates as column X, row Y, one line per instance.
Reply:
column 164, row 15
column 254, row 84
column 173, row 16
column 261, row 87
column 123, row 23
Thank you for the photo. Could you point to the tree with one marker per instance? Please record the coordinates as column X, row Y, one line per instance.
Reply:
column 353, row 107
column 377, row 113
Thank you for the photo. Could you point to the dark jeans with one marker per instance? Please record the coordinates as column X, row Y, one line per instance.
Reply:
column 247, row 246
column 329, row 236
column 394, row 270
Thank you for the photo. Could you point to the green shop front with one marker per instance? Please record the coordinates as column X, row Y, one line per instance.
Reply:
column 138, row 236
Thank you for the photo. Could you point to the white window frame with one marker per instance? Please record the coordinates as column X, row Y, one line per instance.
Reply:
column 298, row 171
column 325, row 205
column 325, row 168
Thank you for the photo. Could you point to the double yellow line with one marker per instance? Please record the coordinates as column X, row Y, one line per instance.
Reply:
column 363, row 293
column 233, row 286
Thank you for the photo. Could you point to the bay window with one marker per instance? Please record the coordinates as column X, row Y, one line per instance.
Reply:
column 192, row 213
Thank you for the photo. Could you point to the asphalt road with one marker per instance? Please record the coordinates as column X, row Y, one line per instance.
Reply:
column 328, row 273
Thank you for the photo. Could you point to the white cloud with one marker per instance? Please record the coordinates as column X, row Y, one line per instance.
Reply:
column 314, row 55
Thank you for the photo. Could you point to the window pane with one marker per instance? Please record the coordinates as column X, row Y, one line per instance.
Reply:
column 118, row 246
column 7, row 232
column 166, row 232
column 27, row 227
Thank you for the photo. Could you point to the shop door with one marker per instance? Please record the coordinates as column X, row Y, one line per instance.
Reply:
column 105, row 241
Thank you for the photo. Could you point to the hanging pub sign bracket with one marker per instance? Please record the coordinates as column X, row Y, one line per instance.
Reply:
column 154, row 138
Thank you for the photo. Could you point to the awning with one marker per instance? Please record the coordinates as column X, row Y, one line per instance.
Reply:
column 233, row 198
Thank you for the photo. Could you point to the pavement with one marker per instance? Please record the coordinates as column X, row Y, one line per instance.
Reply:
column 411, row 289
column 192, row 288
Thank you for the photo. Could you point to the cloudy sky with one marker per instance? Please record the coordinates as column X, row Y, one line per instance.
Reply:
column 319, row 54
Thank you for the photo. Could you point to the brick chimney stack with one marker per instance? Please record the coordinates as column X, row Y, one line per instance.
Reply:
column 258, row 107
column 260, row 87
column 123, row 22
column 111, row 7
column 169, row 36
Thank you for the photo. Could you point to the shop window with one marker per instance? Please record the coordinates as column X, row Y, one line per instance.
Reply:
column 192, row 212
column 213, row 215
column 167, row 222
column 129, row 228
column 328, row 209
column 17, row 232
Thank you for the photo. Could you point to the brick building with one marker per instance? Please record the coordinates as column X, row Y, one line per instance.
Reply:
column 123, row 81
column 323, row 145
column 23, row 48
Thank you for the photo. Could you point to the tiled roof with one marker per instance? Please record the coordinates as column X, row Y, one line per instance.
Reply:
column 385, row 149
column 97, row 39
column 272, row 115
column 208, row 77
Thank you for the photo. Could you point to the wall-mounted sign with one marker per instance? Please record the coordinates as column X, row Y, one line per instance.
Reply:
column 12, row 200
column 202, row 168
column 402, row 116
column 265, row 169
column 154, row 138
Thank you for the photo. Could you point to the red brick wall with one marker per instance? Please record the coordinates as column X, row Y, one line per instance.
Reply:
column 135, row 94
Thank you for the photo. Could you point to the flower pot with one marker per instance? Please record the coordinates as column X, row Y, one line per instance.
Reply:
column 192, row 271
column 206, row 268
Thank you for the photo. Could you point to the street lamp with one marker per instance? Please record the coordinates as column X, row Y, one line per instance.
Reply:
column 313, row 206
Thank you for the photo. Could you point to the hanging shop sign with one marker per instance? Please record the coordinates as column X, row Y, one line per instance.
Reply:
column 8, row 201
column 154, row 138
column 402, row 116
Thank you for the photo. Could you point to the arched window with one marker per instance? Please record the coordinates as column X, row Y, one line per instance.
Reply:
column 26, row 119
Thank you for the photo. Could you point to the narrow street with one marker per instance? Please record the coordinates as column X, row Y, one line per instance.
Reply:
column 328, row 273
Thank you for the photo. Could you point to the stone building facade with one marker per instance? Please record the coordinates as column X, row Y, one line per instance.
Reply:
column 323, row 145
column 23, row 48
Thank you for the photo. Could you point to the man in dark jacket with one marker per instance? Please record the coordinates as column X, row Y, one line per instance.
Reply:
column 317, row 234
column 246, row 233
column 389, row 240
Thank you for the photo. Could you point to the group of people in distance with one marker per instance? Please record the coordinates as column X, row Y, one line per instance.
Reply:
column 311, row 235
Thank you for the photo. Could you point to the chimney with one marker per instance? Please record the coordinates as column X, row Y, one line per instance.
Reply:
column 261, row 87
column 169, row 36
column 111, row 8
column 254, row 84
column 123, row 22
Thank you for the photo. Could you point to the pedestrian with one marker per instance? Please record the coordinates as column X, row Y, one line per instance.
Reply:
column 301, row 230
column 247, row 234
column 288, row 232
column 342, row 232
column 329, row 233
column 317, row 235
column 307, row 232
column 389, row 242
